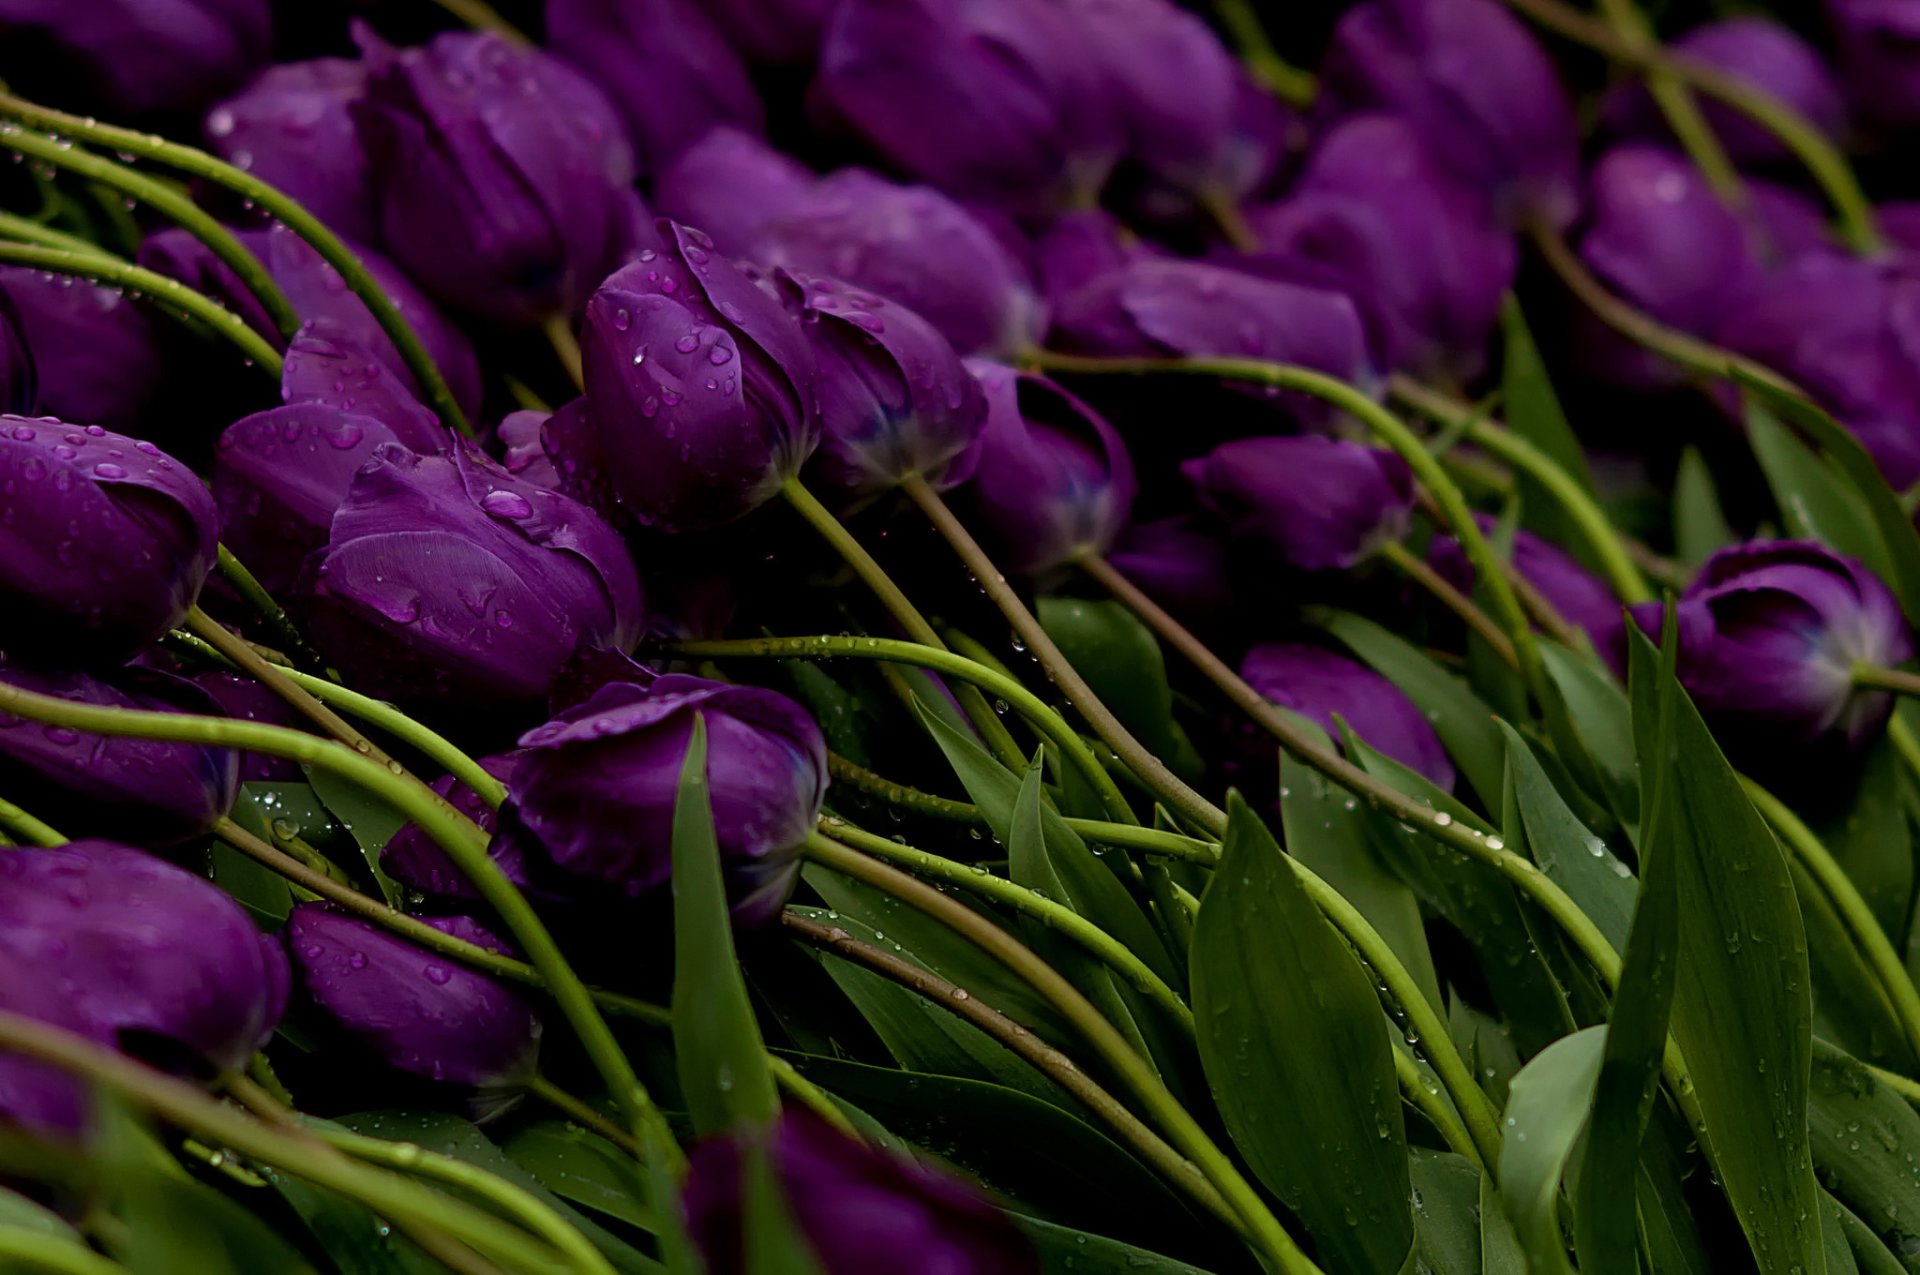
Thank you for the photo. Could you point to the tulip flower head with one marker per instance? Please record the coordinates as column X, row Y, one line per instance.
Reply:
column 1306, row 502
column 1322, row 686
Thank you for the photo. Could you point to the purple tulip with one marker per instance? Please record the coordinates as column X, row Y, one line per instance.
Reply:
column 701, row 396
column 895, row 400
column 863, row 1211
column 326, row 366
column 1477, row 87
column 1319, row 685
column 41, row 1099
column 594, row 792
column 1769, row 635
column 730, row 183
column 1051, row 478
column 1177, row 563
column 142, row 791
column 521, row 450
column 997, row 101
column 416, row 860
column 1307, row 502
column 1404, row 238
column 774, row 32
column 278, row 476
column 246, row 700
column 1580, row 597
column 915, row 246
column 503, row 176
column 663, row 63
column 416, row 1010
column 104, row 540
column 1080, row 248
column 1879, row 55
column 96, row 355
column 157, row 958
column 448, row 580
column 1760, row 53
column 132, row 57
column 291, row 128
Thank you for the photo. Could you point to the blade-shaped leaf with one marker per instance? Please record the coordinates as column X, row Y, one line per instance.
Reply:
column 1576, row 860
column 1068, row 1252
column 1547, row 1106
column 1866, row 1145
column 1817, row 502
column 1699, row 526
column 1533, row 412
column 1121, row 661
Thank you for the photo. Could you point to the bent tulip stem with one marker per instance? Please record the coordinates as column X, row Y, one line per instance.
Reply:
column 1409, row 564
column 27, row 230
column 1676, row 104
column 904, row 613
column 243, row 657
column 19, row 824
column 1287, row 82
column 25, row 1250
column 482, row 16
column 580, row 1113
column 255, row 595
column 1136, row 756
column 1899, row 681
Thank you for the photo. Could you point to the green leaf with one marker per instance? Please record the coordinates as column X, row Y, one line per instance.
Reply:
column 1816, row 500
column 1068, row 1252
column 370, row 821
column 1297, row 1054
column 584, row 1168
column 1699, row 527
column 1533, row 412
column 1872, row 840
column 1571, row 856
column 716, row 1040
column 259, row 889
column 1446, row 1208
column 1547, row 1106
column 1743, row 1007
column 1866, row 1145
column 18, row 1213
column 1870, row 1256
column 1850, row 1005
column 1464, row 724
column 1501, row 1252
column 1121, row 661
column 1592, row 725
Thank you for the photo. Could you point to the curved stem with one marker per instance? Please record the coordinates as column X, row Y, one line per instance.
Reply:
column 1676, row 104
column 1044, row 1058
column 1108, row 950
column 1288, row 83
column 1868, row 937
column 558, row 330
column 22, row 1250
column 904, row 613
column 271, row 201
column 1413, row 1087
column 1410, row 565
column 248, row 661
column 1899, row 681
column 31, row 831
column 580, row 1113
column 1138, row 758
column 1388, row 428
column 255, row 595
column 886, row 790
column 892, row 651
column 1609, row 550
column 27, row 230
column 169, row 202
column 1264, row 1231
column 438, row 820
column 170, row 295
column 482, row 16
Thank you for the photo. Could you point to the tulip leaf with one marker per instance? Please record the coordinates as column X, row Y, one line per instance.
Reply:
column 1742, row 1011
column 1464, row 724
column 1866, row 1145
column 1868, row 1254
column 1122, row 662
column 1850, row 1006
column 1871, row 838
column 1571, row 856
column 1699, row 526
column 716, row 1040
column 1446, row 1201
column 1501, row 1252
column 1816, row 500
column 1533, row 412
column 1297, row 1054
column 1592, row 726
column 370, row 821
column 1068, row 1252
column 259, row 889
column 1547, row 1106
column 584, row 1168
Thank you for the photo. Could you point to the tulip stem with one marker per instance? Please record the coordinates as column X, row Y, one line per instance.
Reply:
column 1609, row 549
column 1044, row 1058
column 1417, row 570
column 482, row 16
column 582, row 1114
column 1899, row 681
column 1832, row 880
column 170, row 295
column 275, row 204
column 1258, row 1223
column 904, row 613
column 1108, row 950
column 1390, row 430
column 1822, row 160
column 24, row 1250
column 1287, row 82
column 566, row 348
column 26, row 829
column 27, row 230
column 1677, row 104
column 1426, row 1101
column 893, row 651
column 463, row 843
column 255, row 595
column 163, row 199
column 1041, row 646
column 249, row 661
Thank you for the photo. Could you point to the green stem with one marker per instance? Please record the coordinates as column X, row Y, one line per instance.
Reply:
column 1416, row 569
column 904, row 613
column 566, row 348
column 1070, row 924
column 29, row 830
column 1288, row 83
column 810, row 1096
column 1264, row 1231
column 1389, row 430
column 169, row 202
column 23, row 1251
column 1041, row 646
column 1609, row 550
column 170, row 295
column 1899, row 681
column 438, row 820
column 275, row 204
column 255, row 595
column 27, row 230
column 1413, row 1087
column 482, row 16
column 886, row 790
column 249, row 661
column 1676, row 104
column 893, row 651
column 582, row 1114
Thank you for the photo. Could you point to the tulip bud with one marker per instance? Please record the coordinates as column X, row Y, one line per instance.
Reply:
column 292, row 129
column 1081, row 248
column 502, row 175
column 1000, row 102
column 142, row 791
column 447, row 580
column 158, row 959
column 1769, row 634
column 913, row 245
column 663, row 64
column 1308, row 502
column 1476, row 86
column 1764, row 55
column 1320, row 685
column 1879, row 48
column 1178, row 564
column 1051, row 479
column 1581, row 598
column 701, row 396
column 104, row 540
column 132, row 57
column 96, row 355
column 730, row 183
column 416, row 860
column 895, row 400
column 43, row 1100
column 594, row 792
column 326, row 367
column 863, row 1211
column 416, row 1010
